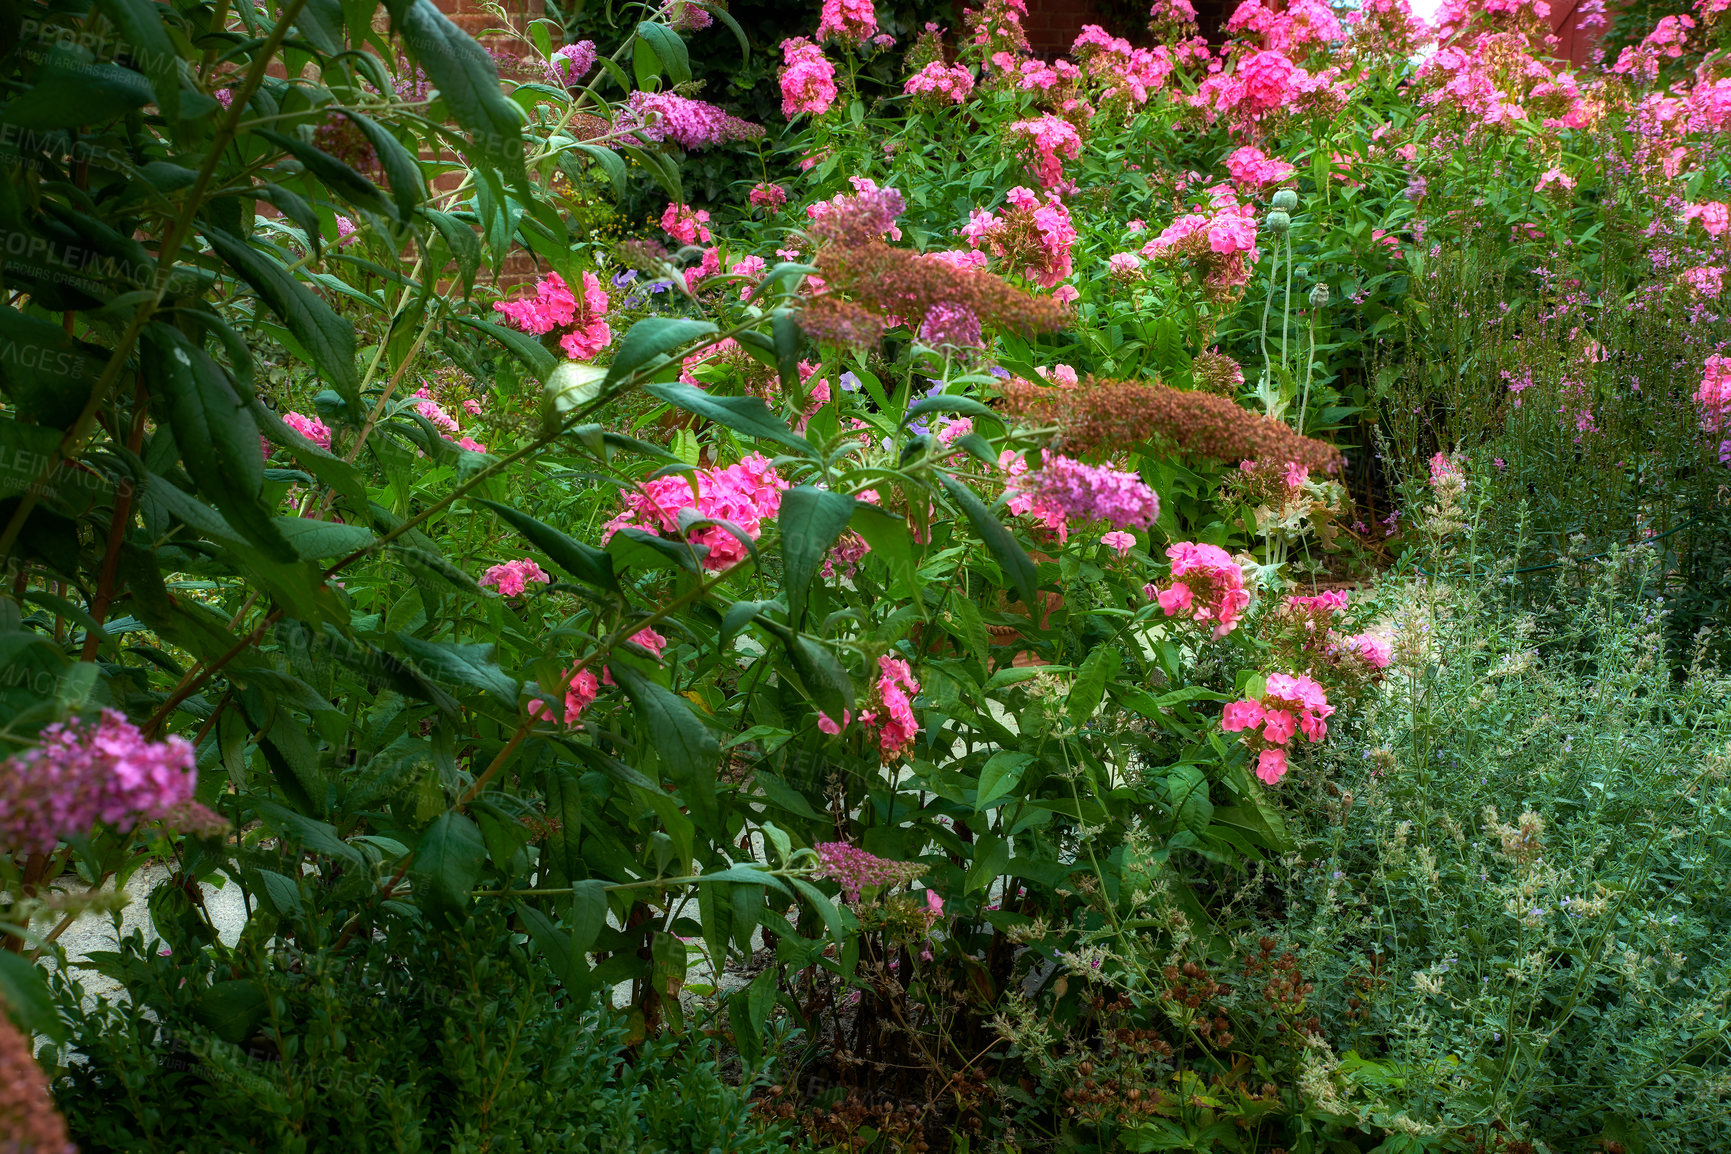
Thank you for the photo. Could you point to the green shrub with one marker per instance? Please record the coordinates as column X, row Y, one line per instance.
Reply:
column 425, row 1041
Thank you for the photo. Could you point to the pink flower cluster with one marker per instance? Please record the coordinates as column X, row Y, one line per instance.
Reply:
column 1125, row 70
column 1252, row 169
column 1714, row 395
column 1715, row 216
column 1065, row 489
column 942, row 82
column 1033, row 234
column 572, row 63
column 311, row 428
column 1292, row 25
column 685, row 224
column 691, row 124
column 892, row 712
column 581, row 690
column 746, row 495
column 554, row 307
column 1289, row 704
column 1053, row 141
column 1207, row 585
column 856, row 869
column 513, row 577
column 1220, row 244
column 807, row 79
column 867, row 213
column 853, row 21
column 643, row 639
column 766, row 196
column 81, row 774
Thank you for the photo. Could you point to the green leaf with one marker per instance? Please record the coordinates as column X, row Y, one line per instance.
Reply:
column 24, row 997
column 1188, row 788
column 147, row 42
column 467, row 81
column 472, row 665
column 1017, row 565
column 999, row 776
column 1086, row 692
column 564, row 794
column 231, row 1009
column 669, row 49
column 328, row 339
column 948, row 404
column 610, row 162
column 588, row 564
column 688, row 749
column 649, row 339
column 333, row 174
column 317, row 836
column 891, row 543
column 47, row 374
column 447, row 862
column 315, row 540
column 588, row 914
column 465, row 246
column 321, row 463
column 811, row 521
column 788, row 338
column 402, row 170
column 217, row 436
column 991, row 859
column 70, row 93
column 747, row 415
column 750, row 874
column 539, row 361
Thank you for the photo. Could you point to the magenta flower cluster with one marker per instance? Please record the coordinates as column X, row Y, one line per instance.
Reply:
column 1289, row 704
column 1083, row 492
column 1053, row 141
column 555, row 307
column 744, row 495
column 81, row 774
column 691, row 124
column 1207, row 585
column 943, row 83
column 852, row 21
column 807, row 79
column 311, row 428
column 855, row 869
column 513, row 577
column 891, row 712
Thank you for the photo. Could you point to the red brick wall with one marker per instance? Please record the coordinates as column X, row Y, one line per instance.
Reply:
column 1052, row 25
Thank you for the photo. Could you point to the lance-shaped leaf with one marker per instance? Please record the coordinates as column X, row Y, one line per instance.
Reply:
column 747, row 415
column 812, row 521
column 217, row 436
column 648, row 339
column 688, row 750
column 583, row 561
column 328, row 339
column 472, row 665
column 527, row 349
column 1016, row 563
column 467, row 81
column 447, row 861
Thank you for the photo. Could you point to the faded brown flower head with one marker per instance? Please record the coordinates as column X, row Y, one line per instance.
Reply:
column 880, row 281
column 1101, row 416
column 1217, row 373
column 28, row 1121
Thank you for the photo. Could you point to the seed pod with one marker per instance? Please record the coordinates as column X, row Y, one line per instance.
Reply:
column 1319, row 296
column 1286, row 200
column 1276, row 222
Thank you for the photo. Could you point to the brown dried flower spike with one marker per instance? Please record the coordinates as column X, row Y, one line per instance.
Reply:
column 1098, row 416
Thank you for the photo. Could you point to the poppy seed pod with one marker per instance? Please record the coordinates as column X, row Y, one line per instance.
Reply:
column 1319, row 296
column 1276, row 223
column 1285, row 200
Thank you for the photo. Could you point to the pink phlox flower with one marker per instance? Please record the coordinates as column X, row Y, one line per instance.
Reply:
column 1252, row 169
column 1208, row 585
column 1714, row 216
column 747, row 494
column 311, row 428
column 853, row 21
column 512, row 577
column 686, row 224
column 1119, row 542
column 941, row 82
column 807, row 79
column 580, row 694
column 1053, row 141
column 767, row 196
column 1713, row 398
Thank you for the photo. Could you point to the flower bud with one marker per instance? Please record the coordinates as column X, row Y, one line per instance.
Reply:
column 1276, row 223
column 1286, row 200
column 1319, row 296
